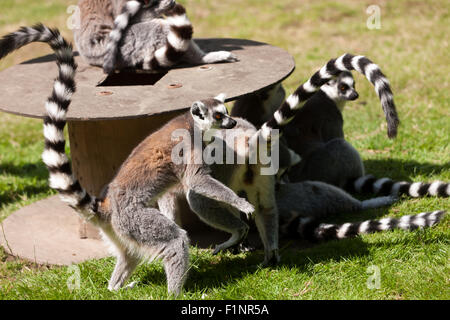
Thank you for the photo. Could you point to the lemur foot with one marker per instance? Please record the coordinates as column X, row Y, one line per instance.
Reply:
column 117, row 286
column 271, row 259
column 130, row 285
column 220, row 56
column 229, row 57
column 244, row 246
column 219, row 248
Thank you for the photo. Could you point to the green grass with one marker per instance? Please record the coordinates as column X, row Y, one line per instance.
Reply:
column 412, row 49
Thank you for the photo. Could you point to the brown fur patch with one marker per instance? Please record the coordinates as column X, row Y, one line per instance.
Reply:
column 152, row 158
column 105, row 205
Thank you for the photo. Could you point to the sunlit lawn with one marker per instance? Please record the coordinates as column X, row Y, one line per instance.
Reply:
column 412, row 49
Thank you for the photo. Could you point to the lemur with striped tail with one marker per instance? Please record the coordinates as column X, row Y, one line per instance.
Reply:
column 146, row 34
column 316, row 134
column 329, row 72
column 125, row 213
column 304, row 206
column 386, row 186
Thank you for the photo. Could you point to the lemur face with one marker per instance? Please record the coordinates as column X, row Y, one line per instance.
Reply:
column 212, row 114
column 346, row 87
column 342, row 88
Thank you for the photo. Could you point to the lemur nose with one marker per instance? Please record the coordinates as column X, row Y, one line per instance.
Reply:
column 354, row 95
column 228, row 123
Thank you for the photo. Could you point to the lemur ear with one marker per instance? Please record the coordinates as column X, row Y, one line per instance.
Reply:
column 221, row 97
column 198, row 110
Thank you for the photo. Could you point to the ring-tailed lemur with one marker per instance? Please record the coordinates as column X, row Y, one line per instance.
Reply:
column 330, row 71
column 245, row 178
column 117, row 34
column 386, row 186
column 316, row 134
column 303, row 206
column 261, row 193
column 123, row 213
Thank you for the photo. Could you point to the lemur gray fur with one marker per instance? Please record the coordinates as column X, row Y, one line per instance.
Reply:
column 316, row 134
column 150, row 35
column 125, row 213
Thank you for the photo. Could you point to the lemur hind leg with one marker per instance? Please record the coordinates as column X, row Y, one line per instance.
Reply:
column 167, row 205
column 218, row 216
column 266, row 220
column 153, row 236
column 125, row 265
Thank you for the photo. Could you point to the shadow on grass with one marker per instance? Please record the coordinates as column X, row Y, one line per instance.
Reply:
column 230, row 269
column 28, row 170
column 28, row 188
column 403, row 169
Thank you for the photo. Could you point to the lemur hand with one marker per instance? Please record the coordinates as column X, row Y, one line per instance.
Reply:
column 246, row 207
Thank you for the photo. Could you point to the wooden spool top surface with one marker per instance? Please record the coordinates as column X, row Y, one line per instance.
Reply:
column 24, row 88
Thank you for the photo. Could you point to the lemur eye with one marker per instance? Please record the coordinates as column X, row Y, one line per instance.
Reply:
column 342, row 87
column 217, row 116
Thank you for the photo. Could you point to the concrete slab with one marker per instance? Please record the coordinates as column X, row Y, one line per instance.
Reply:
column 46, row 232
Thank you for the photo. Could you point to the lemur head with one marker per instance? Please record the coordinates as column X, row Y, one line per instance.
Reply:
column 341, row 89
column 212, row 114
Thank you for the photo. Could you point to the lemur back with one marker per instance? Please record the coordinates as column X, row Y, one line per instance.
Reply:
column 126, row 212
column 150, row 35
column 259, row 107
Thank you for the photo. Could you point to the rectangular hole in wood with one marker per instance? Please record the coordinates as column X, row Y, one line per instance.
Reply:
column 123, row 79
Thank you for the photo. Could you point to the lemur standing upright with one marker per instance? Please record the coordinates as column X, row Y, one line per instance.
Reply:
column 126, row 213
column 316, row 134
column 117, row 34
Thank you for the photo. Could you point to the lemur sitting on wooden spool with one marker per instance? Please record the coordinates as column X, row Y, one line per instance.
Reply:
column 152, row 35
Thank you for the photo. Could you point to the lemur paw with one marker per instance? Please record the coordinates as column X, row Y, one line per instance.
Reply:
column 108, row 67
column 117, row 287
column 219, row 56
column 230, row 57
column 246, row 207
column 130, row 285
